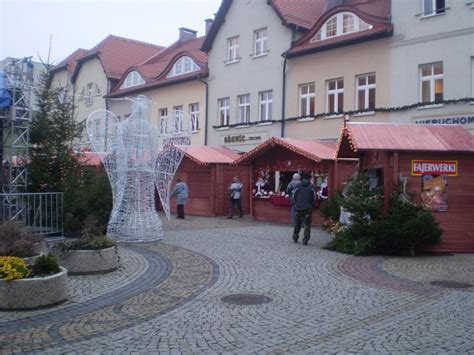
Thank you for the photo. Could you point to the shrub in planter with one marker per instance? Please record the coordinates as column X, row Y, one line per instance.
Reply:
column 92, row 253
column 13, row 268
column 16, row 241
column 45, row 265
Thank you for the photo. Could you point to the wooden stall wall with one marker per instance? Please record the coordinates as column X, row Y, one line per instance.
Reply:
column 458, row 221
column 200, row 180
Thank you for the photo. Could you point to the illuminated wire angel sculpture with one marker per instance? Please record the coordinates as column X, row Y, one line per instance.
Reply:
column 138, row 158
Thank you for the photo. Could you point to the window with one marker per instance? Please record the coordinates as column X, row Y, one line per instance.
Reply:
column 182, row 66
column 132, row 79
column 163, row 120
column 223, row 111
column 335, row 101
column 431, row 86
column 261, row 38
column 89, row 93
column 365, row 99
column 433, row 7
column 307, row 97
column 243, row 114
column 178, row 119
column 341, row 24
column 194, row 111
column 233, row 49
column 266, row 105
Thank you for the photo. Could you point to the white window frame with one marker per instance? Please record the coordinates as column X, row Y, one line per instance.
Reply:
column 336, row 93
column 89, row 99
column 262, row 42
column 178, row 119
column 224, row 108
column 182, row 66
column 435, row 11
column 194, row 113
column 431, row 79
column 266, row 105
column 307, row 97
column 133, row 79
column 233, row 47
column 243, row 109
column 366, row 88
column 163, row 120
column 359, row 25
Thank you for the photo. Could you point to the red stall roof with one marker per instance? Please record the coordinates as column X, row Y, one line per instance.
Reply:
column 311, row 149
column 205, row 155
column 362, row 136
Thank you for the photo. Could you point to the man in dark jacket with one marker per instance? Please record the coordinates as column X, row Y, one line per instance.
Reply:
column 304, row 198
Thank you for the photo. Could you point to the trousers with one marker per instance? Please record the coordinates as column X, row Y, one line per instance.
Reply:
column 235, row 205
column 306, row 216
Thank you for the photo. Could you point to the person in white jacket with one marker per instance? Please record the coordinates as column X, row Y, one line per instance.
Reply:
column 235, row 195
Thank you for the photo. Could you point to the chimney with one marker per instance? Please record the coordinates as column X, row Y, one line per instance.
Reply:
column 209, row 22
column 185, row 34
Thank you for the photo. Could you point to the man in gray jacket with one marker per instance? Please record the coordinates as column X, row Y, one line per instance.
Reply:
column 289, row 191
column 235, row 195
column 182, row 193
column 304, row 198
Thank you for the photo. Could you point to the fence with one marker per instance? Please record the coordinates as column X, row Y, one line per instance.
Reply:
column 41, row 213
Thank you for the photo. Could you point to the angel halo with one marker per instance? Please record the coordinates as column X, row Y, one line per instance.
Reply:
column 138, row 158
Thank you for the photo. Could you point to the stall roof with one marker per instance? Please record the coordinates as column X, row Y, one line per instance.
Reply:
column 205, row 155
column 362, row 136
column 311, row 149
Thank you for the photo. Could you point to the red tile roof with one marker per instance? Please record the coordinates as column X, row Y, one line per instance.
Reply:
column 204, row 155
column 117, row 54
column 312, row 149
column 301, row 13
column 375, row 12
column 69, row 63
column 154, row 69
column 404, row 137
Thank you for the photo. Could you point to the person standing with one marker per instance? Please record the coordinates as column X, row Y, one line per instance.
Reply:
column 304, row 198
column 181, row 192
column 289, row 191
column 235, row 194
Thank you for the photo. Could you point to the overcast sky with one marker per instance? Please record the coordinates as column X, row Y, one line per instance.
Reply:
column 26, row 25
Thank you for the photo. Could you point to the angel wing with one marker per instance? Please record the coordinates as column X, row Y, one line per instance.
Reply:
column 173, row 147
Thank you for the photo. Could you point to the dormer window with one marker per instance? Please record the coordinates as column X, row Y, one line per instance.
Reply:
column 132, row 79
column 341, row 24
column 182, row 66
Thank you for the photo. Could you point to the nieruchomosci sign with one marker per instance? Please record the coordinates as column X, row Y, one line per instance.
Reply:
column 434, row 167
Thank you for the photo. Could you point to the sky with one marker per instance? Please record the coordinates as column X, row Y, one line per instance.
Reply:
column 26, row 26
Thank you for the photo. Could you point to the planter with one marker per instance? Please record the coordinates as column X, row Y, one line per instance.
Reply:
column 34, row 292
column 82, row 262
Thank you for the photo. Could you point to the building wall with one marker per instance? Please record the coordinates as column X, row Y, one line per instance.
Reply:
column 60, row 79
column 447, row 38
column 168, row 97
column 346, row 62
column 250, row 75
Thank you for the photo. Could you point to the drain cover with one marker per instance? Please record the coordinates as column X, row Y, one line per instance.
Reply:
column 450, row 284
column 246, row 299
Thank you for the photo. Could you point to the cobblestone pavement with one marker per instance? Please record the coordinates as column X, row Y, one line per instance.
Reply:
column 166, row 298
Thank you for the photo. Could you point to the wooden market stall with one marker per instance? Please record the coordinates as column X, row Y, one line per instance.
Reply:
column 426, row 159
column 208, row 172
column 273, row 164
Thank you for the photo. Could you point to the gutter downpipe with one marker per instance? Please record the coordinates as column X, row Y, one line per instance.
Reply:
column 283, row 98
column 207, row 109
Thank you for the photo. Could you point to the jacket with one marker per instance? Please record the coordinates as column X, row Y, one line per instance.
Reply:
column 304, row 196
column 292, row 186
column 181, row 192
column 235, row 190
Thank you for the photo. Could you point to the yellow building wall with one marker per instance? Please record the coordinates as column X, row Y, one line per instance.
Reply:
column 346, row 62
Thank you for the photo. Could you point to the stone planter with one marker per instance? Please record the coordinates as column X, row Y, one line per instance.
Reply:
column 82, row 262
column 34, row 292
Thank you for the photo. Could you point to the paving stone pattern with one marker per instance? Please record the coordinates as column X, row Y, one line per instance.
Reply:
column 167, row 298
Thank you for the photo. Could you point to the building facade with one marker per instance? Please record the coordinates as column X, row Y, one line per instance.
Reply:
column 432, row 56
column 247, row 69
column 173, row 80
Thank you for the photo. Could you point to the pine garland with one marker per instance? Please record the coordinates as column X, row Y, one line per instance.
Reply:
column 353, row 112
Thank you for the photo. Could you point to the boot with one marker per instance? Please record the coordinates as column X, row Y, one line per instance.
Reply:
column 295, row 238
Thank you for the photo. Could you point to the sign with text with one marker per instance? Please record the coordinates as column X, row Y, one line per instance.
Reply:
column 434, row 195
column 434, row 167
column 464, row 120
column 247, row 138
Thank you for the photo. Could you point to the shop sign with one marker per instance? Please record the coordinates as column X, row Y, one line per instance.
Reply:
column 243, row 138
column 465, row 120
column 434, row 167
